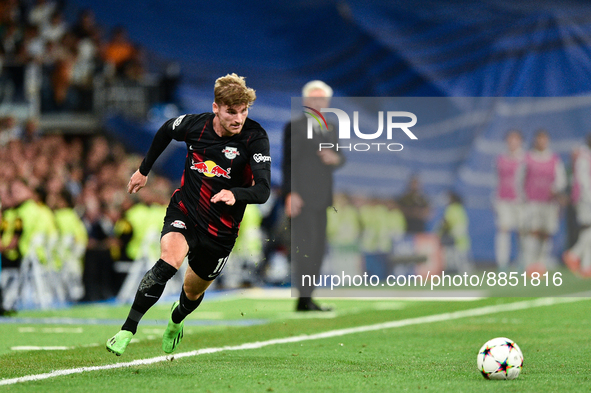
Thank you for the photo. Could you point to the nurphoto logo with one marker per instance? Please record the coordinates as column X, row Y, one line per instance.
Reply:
column 344, row 128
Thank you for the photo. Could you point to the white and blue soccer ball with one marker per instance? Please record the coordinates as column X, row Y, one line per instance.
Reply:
column 500, row 358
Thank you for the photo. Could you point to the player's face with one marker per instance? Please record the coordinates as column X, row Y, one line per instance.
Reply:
column 229, row 119
column 513, row 141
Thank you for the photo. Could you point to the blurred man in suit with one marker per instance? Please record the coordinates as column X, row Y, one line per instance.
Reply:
column 307, row 186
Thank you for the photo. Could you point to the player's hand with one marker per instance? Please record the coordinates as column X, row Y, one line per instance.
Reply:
column 137, row 182
column 225, row 196
column 329, row 157
column 293, row 204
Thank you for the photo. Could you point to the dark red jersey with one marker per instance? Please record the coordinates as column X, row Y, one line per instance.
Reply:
column 240, row 163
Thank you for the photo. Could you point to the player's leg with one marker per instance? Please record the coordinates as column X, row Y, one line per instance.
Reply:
column 207, row 259
column 174, row 248
column 191, row 296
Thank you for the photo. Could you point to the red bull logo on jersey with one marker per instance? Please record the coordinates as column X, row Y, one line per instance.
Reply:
column 210, row 169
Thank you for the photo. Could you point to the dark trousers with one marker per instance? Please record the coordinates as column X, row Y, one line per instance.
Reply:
column 308, row 245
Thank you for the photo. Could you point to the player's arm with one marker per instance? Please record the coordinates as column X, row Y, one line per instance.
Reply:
column 169, row 131
column 260, row 164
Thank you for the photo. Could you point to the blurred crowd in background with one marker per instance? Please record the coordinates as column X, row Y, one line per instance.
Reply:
column 63, row 195
column 70, row 192
column 39, row 49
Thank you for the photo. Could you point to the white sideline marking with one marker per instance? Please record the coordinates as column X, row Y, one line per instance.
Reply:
column 50, row 330
column 331, row 333
column 34, row 348
column 54, row 348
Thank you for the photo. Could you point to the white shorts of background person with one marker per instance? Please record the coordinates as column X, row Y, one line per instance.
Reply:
column 509, row 217
column 542, row 221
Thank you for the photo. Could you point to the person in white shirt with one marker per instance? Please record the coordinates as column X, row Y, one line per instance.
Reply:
column 508, row 202
column 543, row 180
column 578, row 257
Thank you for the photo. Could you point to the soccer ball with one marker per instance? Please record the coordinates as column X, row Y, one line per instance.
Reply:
column 500, row 358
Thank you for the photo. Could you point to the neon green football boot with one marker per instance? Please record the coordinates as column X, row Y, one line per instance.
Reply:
column 119, row 342
column 173, row 334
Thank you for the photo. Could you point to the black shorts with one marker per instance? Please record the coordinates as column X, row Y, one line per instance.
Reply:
column 207, row 257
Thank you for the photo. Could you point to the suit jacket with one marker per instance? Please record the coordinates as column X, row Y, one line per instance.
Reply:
column 303, row 170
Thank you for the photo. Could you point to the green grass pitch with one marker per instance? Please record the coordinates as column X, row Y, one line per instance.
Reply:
column 426, row 355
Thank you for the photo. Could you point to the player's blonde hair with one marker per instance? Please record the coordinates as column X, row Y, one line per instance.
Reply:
column 231, row 90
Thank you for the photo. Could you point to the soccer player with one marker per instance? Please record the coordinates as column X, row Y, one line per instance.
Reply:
column 578, row 257
column 228, row 166
column 544, row 180
column 508, row 204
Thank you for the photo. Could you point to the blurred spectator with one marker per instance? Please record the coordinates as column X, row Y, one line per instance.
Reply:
column 9, row 130
column 41, row 12
column 98, row 275
column 12, row 35
column 381, row 223
column 31, row 131
column 3, row 312
column 33, row 46
column 455, row 238
column 38, row 225
column 578, row 257
column 54, row 29
column 508, row 200
column 118, row 50
column 63, row 97
column 11, row 229
column 96, row 157
column 415, row 207
column 85, row 27
column 133, row 69
column 54, row 168
column 9, row 12
column 543, row 180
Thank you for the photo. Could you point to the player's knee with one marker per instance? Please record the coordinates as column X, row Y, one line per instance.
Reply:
column 192, row 292
column 172, row 259
column 174, row 248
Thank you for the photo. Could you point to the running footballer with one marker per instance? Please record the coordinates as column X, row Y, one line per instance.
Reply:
column 228, row 166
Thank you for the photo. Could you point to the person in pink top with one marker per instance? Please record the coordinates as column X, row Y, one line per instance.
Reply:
column 578, row 257
column 508, row 201
column 543, row 180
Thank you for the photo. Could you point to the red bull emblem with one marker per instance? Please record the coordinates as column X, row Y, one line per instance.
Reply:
column 210, row 169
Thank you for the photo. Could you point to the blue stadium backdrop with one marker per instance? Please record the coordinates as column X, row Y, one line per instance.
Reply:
column 422, row 48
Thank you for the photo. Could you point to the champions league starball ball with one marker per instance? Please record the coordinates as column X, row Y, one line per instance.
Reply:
column 500, row 358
